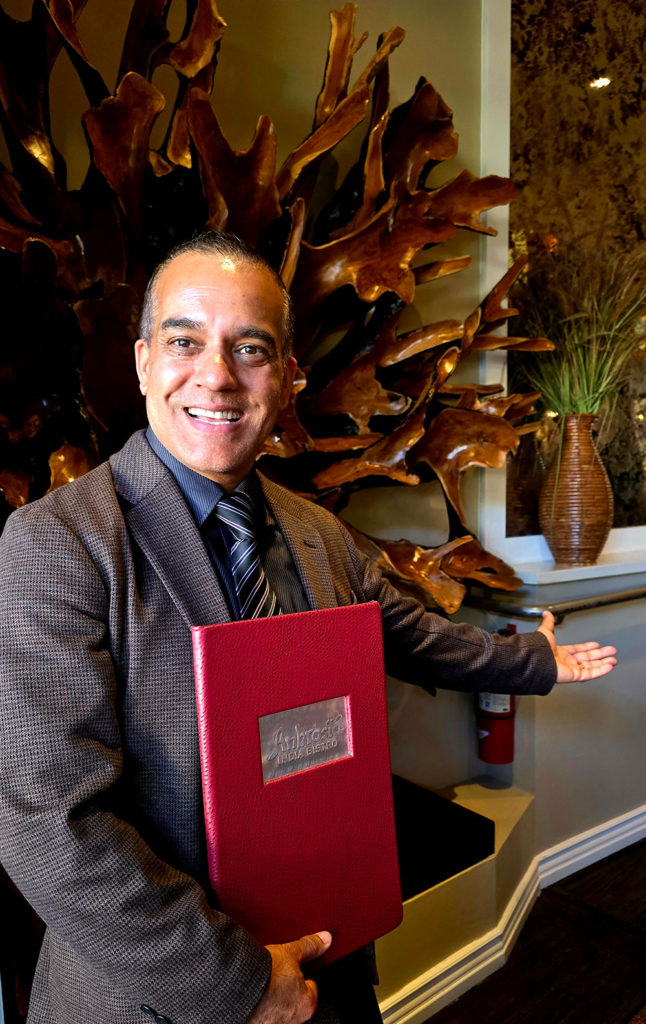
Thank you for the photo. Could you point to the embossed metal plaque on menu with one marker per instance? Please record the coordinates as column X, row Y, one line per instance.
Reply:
column 300, row 738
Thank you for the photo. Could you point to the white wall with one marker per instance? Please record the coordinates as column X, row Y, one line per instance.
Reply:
column 590, row 739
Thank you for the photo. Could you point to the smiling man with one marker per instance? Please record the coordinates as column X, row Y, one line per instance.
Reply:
column 101, row 821
column 212, row 364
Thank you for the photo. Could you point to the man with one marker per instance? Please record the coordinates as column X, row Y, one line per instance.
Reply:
column 100, row 582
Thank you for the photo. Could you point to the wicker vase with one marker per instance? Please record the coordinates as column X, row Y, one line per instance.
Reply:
column 576, row 507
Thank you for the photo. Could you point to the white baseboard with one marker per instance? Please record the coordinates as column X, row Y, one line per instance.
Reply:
column 451, row 978
column 588, row 847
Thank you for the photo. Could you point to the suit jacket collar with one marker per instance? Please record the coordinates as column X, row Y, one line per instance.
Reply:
column 161, row 524
column 163, row 527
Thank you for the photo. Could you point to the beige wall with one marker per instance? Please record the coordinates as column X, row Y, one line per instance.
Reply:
column 273, row 58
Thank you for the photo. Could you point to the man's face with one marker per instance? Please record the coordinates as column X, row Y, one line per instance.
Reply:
column 213, row 375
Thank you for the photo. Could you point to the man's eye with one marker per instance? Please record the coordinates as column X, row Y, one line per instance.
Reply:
column 181, row 342
column 252, row 353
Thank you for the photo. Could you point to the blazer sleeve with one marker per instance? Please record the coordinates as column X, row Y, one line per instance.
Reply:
column 433, row 651
column 145, row 928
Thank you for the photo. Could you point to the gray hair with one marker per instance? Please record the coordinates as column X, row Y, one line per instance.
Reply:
column 219, row 243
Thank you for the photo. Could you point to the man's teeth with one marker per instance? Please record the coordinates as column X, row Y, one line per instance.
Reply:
column 228, row 415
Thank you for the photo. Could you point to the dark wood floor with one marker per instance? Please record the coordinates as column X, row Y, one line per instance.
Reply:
column 580, row 958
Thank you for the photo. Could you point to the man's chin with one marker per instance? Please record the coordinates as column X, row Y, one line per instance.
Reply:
column 226, row 472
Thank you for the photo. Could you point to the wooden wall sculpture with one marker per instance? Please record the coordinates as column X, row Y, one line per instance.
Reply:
column 380, row 405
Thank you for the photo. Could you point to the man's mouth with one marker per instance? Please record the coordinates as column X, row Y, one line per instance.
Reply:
column 219, row 415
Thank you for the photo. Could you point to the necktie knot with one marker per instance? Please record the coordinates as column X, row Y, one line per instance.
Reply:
column 255, row 597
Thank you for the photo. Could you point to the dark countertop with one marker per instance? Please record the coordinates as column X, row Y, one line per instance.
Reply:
column 560, row 598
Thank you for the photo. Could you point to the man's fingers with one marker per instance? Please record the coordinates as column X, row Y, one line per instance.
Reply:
column 584, row 675
column 310, row 946
column 577, row 649
column 605, row 652
column 600, row 669
column 590, row 652
column 582, row 666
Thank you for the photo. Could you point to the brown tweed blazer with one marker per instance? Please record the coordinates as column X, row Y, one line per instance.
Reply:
column 100, row 802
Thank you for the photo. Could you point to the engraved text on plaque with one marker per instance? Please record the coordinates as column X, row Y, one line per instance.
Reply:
column 299, row 738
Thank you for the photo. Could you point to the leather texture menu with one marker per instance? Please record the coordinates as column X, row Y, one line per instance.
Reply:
column 296, row 775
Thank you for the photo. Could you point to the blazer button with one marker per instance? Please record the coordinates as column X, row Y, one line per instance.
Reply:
column 157, row 1017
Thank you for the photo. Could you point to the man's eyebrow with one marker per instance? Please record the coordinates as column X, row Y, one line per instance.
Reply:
column 256, row 332
column 181, row 322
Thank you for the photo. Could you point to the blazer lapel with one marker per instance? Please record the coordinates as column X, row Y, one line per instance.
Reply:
column 305, row 546
column 163, row 527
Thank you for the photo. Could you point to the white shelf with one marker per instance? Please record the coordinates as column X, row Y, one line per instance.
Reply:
column 619, row 563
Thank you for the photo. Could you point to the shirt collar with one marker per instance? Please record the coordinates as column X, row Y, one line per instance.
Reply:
column 200, row 493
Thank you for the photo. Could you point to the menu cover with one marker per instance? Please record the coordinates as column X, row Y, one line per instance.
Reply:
column 296, row 775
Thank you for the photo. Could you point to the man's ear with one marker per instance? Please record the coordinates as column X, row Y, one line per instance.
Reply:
column 289, row 373
column 142, row 355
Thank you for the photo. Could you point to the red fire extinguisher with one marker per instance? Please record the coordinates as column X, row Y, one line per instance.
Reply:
column 495, row 718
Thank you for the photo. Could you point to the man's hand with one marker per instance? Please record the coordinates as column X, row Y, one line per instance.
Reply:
column 290, row 998
column 577, row 662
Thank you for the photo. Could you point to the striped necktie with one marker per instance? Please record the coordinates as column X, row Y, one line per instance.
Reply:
column 255, row 597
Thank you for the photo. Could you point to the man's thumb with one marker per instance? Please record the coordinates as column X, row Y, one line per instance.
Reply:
column 311, row 946
column 547, row 626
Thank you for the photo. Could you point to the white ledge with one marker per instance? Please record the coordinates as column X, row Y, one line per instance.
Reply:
column 619, row 563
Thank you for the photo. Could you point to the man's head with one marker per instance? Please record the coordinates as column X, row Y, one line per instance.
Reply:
column 217, row 243
column 211, row 360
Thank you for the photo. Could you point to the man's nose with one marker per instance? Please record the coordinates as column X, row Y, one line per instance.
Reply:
column 215, row 371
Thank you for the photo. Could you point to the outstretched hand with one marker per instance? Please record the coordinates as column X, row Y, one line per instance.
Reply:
column 291, row 998
column 577, row 662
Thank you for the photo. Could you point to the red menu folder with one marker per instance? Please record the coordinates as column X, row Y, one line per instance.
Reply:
column 296, row 775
